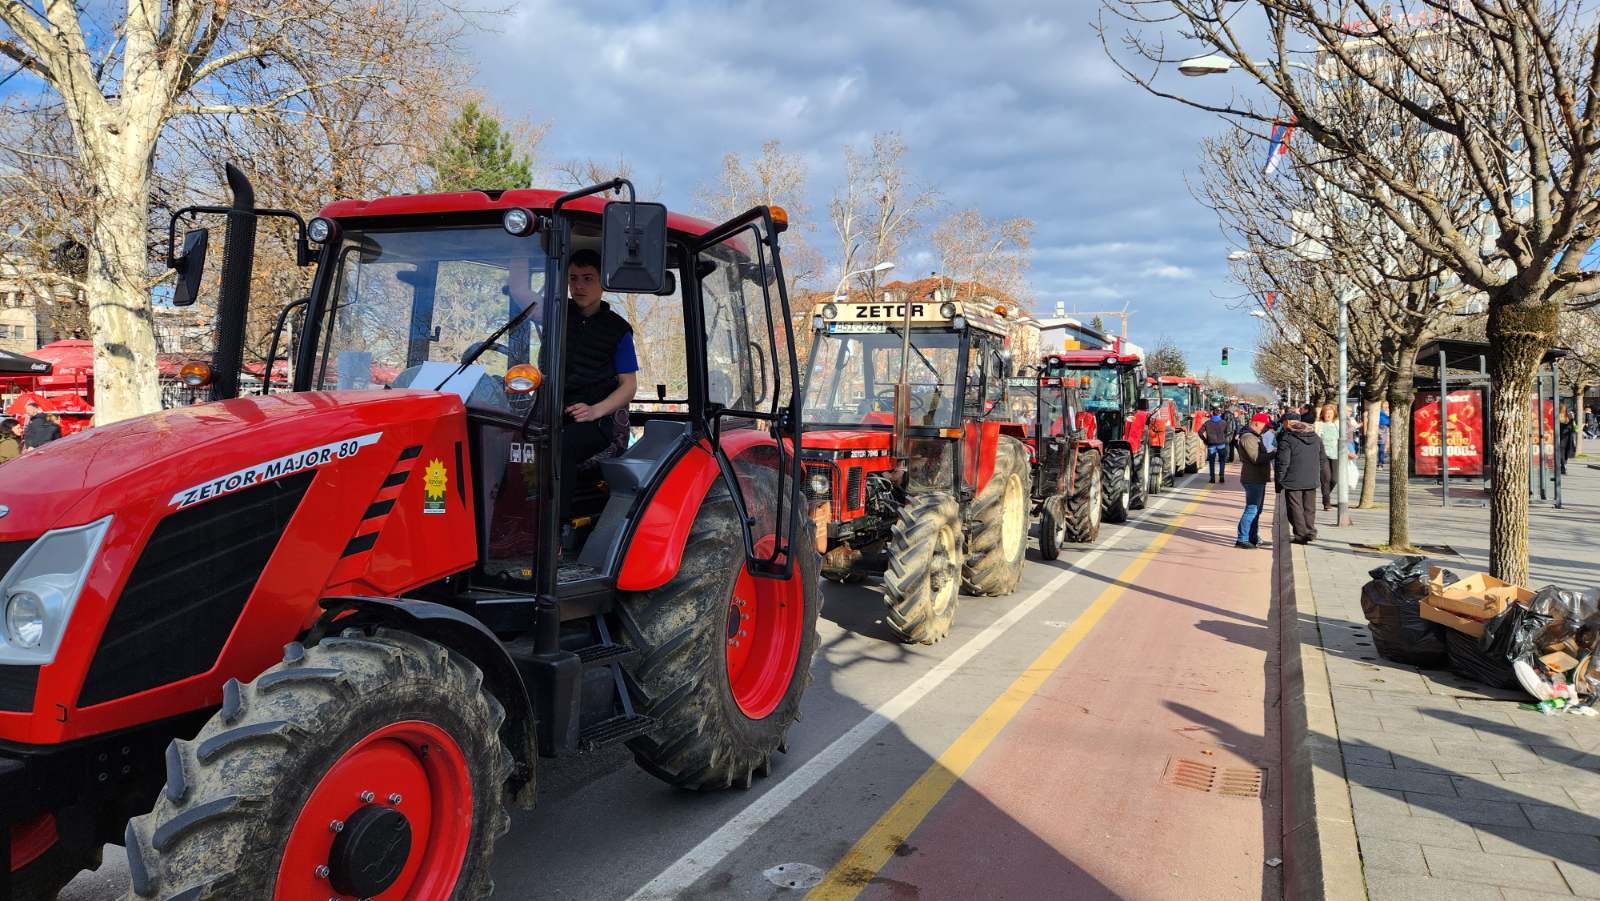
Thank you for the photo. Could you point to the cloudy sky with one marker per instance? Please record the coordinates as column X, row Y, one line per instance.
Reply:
column 1011, row 107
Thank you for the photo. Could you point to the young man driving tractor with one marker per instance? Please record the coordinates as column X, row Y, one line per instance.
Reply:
column 602, row 369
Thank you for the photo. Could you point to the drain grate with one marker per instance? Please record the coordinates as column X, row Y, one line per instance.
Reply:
column 1230, row 782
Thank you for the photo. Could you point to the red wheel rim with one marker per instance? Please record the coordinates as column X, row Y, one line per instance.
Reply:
column 412, row 766
column 765, row 620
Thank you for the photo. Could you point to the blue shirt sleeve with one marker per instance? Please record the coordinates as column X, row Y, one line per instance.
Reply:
column 623, row 358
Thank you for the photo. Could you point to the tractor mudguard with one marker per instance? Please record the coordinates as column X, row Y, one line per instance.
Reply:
column 466, row 636
column 1119, row 444
column 656, row 547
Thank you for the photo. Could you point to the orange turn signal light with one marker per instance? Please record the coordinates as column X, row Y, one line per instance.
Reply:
column 780, row 218
column 523, row 378
column 195, row 375
column 1000, row 311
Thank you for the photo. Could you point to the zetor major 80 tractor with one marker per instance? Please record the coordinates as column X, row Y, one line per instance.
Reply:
column 1184, row 392
column 1111, row 382
column 909, row 455
column 310, row 645
column 1066, row 455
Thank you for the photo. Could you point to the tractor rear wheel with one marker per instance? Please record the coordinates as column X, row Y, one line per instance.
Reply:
column 1000, row 524
column 1116, row 467
column 1170, row 455
column 1197, row 454
column 1158, row 470
column 725, row 656
column 1083, row 507
column 362, row 766
column 922, row 582
column 1052, row 528
column 1139, row 485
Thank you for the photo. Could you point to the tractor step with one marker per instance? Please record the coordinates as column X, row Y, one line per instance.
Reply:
column 597, row 655
column 614, row 730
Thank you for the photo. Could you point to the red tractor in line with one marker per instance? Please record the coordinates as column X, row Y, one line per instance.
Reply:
column 1065, row 453
column 312, row 644
column 1111, row 385
column 1187, row 395
column 911, row 462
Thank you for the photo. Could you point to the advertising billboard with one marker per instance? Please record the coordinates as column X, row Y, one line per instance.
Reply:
column 1466, row 433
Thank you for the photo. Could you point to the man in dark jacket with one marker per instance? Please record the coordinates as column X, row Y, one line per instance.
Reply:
column 1255, row 469
column 1299, row 472
column 602, row 370
column 40, row 430
column 1215, row 433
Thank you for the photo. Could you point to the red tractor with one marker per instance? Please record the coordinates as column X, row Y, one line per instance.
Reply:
column 1186, row 394
column 1065, row 454
column 910, row 460
column 1168, row 445
column 312, row 644
column 1110, row 382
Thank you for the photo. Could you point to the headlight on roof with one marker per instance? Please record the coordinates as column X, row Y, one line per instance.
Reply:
column 38, row 593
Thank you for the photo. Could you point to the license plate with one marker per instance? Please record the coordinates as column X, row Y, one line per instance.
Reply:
column 857, row 328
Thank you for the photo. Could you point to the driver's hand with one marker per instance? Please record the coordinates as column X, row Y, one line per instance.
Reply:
column 582, row 413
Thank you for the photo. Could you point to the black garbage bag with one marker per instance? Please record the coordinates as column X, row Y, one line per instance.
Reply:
column 1469, row 660
column 1513, row 634
column 1390, row 601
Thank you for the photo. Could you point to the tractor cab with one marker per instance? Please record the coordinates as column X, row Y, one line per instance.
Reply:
column 1111, row 383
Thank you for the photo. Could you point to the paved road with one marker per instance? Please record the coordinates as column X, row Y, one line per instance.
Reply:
column 1023, row 757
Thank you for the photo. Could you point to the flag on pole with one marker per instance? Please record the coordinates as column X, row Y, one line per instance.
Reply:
column 1272, row 298
column 1278, row 144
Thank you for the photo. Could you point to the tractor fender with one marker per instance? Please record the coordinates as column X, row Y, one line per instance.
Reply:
column 1120, row 444
column 656, row 546
column 466, row 636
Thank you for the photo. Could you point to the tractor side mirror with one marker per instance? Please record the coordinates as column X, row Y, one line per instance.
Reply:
column 191, row 265
column 633, row 248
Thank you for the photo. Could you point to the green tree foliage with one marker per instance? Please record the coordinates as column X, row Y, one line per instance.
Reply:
column 1097, row 325
column 478, row 152
column 1166, row 359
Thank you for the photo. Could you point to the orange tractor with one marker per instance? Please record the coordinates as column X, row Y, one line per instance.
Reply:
column 1065, row 453
column 1187, row 396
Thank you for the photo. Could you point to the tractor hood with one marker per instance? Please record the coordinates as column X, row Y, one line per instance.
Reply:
column 158, row 459
column 846, row 440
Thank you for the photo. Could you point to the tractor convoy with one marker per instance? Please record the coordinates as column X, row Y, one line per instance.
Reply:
column 314, row 643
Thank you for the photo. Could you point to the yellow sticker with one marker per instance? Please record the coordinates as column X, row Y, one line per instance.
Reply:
column 434, row 481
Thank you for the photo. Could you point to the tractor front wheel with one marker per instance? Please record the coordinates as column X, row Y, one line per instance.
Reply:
column 1083, row 507
column 1197, row 454
column 1139, row 485
column 1117, row 469
column 1000, row 524
column 362, row 766
column 923, row 579
column 1052, row 528
column 1158, row 471
column 724, row 656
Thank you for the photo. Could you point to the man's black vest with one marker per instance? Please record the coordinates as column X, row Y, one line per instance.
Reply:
column 591, row 353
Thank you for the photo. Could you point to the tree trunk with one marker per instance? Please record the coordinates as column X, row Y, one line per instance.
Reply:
column 1518, row 339
column 1402, row 391
column 118, row 283
column 1369, row 448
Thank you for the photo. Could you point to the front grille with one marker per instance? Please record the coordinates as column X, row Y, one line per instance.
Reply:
column 854, row 479
column 17, row 684
column 188, row 588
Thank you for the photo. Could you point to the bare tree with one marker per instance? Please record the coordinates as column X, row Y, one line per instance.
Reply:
column 878, row 209
column 996, row 253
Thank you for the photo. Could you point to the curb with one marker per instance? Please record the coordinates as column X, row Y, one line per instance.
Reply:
column 1320, row 854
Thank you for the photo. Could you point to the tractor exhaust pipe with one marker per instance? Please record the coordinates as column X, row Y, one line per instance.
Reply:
column 233, row 301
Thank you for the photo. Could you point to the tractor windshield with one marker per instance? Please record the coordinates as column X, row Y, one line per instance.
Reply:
column 853, row 375
column 1179, row 395
column 1104, row 389
column 404, row 298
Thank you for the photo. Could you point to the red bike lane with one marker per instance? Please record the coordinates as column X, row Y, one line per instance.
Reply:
column 1129, row 770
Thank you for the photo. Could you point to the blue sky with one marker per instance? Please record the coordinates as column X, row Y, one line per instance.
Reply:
column 1011, row 107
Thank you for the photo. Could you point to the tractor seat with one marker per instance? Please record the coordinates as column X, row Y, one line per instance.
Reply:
column 630, row 472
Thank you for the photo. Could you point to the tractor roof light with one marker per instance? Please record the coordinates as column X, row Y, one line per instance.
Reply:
column 519, row 222
column 780, row 218
column 195, row 375
column 523, row 378
column 948, row 309
column 830, row 311
column 321, row 230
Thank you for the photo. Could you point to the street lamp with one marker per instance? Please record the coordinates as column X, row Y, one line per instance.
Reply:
column 1214, row 64
column 1258, row 314
column 884, row 266
column 1240, row 255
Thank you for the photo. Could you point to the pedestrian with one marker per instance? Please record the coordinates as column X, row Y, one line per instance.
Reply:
column 1383, row 434
column 1297, row 471
column 1327, row 429
column 1569, row 438
column 10, row 439
column 1255, row 470
column 1214, row 432
column 39, row 430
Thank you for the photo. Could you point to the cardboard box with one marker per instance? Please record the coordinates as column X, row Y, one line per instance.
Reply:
column 1560, row 661
column 1478, row 596
column 1463, row 624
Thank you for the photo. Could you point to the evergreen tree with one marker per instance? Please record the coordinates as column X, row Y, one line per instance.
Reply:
column 1097, row 325
column 1166, row 359
column 478, row 153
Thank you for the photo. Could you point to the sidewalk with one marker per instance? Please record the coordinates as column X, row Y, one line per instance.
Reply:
column 1455, row 792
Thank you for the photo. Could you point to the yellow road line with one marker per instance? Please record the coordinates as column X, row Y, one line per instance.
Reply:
column 858, row 867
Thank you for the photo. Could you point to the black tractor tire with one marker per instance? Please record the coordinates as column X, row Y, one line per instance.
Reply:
column 1170, row 456
column 1116, row 469
column 234, row 794
column 1139, row 485
column 922, row 584
column 43, row 878
column 1196, row 455
column 998, row 544
column 702, row 739
column 1158, row 470
column 1052, row 528
column 1083, row 508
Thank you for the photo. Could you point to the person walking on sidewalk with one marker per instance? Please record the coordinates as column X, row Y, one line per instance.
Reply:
column 1214, row 432
column 1327, row 429
column 1383, row 434
column 1255, row 469
column 1299, row 469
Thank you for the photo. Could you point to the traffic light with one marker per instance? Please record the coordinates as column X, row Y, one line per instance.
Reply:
column 1224, row 356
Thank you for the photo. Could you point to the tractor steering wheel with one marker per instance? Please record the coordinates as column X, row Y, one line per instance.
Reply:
column 918, row 403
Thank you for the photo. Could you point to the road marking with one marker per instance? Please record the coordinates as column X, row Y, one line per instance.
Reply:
column 857, row 868
column 700, row 860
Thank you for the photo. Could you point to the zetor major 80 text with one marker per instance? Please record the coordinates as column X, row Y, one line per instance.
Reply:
column 309, row 640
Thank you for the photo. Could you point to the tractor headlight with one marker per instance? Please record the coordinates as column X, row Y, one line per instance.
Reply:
column 320, row 230
column 821, row 484
column 41, row 589
column 947, row 309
